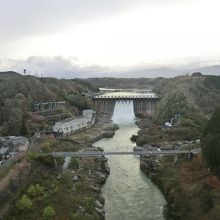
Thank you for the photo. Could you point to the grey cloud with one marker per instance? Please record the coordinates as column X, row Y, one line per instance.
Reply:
column 31, row 17
column 27, row 17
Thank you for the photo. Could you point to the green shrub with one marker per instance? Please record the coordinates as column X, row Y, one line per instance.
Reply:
column 74, row 163
column 39, row 189
column 66, row 180
column 35, row 190
column 89, row 204
column 24, row 203
column 31, row 191
column 49, row 212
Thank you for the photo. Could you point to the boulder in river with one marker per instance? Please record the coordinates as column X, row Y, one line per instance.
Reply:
column 105, row 167
column 95, row 188
column 108, row 134
column 100, row 177
column 101, row 212
column 98, row 204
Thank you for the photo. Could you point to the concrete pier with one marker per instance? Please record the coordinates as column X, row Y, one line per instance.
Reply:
column 104, row 106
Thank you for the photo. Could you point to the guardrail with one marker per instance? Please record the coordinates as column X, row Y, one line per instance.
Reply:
column 112, row 153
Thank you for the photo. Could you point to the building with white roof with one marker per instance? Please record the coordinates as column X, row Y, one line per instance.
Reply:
column 75, row 124
column 70, row 125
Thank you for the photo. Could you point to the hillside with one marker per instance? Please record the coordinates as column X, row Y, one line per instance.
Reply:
column 211, row 142
column 9, row 73
column 31, row 182
column 194, row 98
column 190, row 187
column 188, row 93
column 19, row 93
column 190, row 100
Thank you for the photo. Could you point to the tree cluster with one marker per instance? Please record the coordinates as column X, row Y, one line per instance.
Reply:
column 19, row 93
column 211, row 142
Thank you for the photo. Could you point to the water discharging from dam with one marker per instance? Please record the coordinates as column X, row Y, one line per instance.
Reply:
column 128, row 193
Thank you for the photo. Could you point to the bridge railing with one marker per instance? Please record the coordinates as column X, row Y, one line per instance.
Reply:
column 125, row 97
column 140, row 153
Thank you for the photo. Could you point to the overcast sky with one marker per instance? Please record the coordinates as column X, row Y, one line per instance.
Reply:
column 98, row 35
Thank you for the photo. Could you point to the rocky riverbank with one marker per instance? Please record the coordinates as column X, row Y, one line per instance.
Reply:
column 103, row 128
column 96, row 177
column 149, row 164
column 191, row 190
column 88, row 179
column 94, row 170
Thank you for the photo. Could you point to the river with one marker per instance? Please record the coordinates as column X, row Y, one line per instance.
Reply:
column 128, row 193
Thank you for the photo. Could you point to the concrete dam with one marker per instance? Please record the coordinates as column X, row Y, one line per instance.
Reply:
column 142, row 104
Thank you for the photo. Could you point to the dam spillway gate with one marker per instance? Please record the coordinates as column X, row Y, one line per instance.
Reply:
column 142, row 104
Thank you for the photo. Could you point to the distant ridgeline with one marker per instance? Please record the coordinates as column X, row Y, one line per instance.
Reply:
column 20, row 94
column 11, row 73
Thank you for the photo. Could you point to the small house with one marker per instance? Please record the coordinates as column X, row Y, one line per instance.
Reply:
column 4, row 151
column 19, row 143
column 168, row 124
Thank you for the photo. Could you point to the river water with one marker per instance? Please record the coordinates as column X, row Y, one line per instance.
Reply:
column 128, row 193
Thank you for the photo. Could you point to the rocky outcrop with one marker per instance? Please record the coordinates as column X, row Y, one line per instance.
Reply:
column 105, row 166
column 94, row 171
column 149, row 163
column 104, row 128
column 106, row 132
column 101, row 212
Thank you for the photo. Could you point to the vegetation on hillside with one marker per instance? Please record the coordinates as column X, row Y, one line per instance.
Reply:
column 187, row 95
column 214, row 80
column 38, row 197
column 192, row 192
column 193, row 98
column 211, row 142
column 19, row 93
